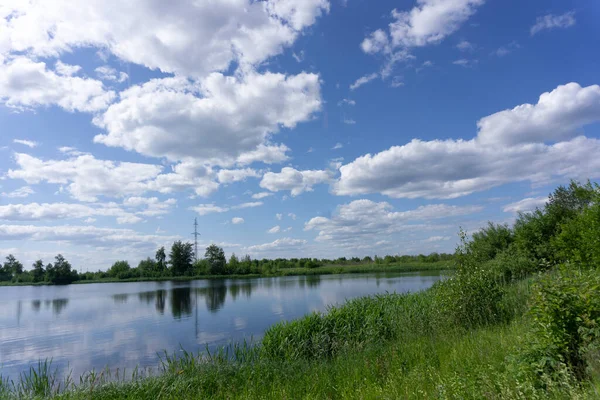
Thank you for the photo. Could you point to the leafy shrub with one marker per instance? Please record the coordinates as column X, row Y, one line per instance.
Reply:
column 490, row 241
column 566, row 323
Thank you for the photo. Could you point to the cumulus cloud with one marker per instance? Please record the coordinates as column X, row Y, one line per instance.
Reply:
column 107, row 73
column 552, row 21
column 160, row 37
column 236, row 175
column 279, row 216
column 525, row 205
column 86, row 235
column 218, row 120
column 29, row 143
column 56, row 211
column 204, row 209
column 363, row 220
column 237, row 220
column 297, row 182
column 26, row 84
column 87, row 177
column 274, row 229
column 427, row 23
column 510, row 147
column 21, row 192
column 279, row 244
column 261, row 195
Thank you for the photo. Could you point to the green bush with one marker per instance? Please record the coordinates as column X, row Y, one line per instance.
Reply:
column 565, row 312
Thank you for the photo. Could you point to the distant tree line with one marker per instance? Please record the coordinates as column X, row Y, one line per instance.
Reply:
column 181, row 262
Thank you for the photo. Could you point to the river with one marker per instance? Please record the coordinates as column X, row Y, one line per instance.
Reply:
column 123, row 325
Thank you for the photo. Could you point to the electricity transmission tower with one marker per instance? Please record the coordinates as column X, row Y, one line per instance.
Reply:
column 196, row 234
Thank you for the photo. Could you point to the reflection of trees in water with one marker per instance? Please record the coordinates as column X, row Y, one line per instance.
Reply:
column 234, row 289
column 120, row 298
column 158, row 297
column 246, row 288
column 214, row 294
column 288, row 283
column 36, row 304
column 181, row 302
column 313, row 281
column 57, row 305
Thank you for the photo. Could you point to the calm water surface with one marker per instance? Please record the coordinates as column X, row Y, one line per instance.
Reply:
column 92, row 326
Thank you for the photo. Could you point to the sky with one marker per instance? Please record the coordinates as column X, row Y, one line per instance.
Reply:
column 288, row 128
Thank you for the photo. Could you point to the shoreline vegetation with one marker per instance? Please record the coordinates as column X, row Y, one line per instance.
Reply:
column 518, row 319
column 148, row 271
column 325, row 270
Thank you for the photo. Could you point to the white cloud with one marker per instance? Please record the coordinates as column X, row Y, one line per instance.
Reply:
column 508, row 148
column 87, row 235
column 56, row 211
column 19, row 193
column 279, row 244
column 261, row 195
column 279, row 216
column 158, row 37
column 465, row 46
column 237, row 220
column 251, row 204
column 348, row 121
column 506, row 50
column 274, row 229
column 288, row 229
column 293, row 180
column 220, row 120
column 363, row 80
column 107, row 73
column 236, row 175
column 527, row 204
column 203, row 209
column 437, row 239
column 29, row 143
column 66, row 69
column 427, row 23
column 292, row 216
column 71, row 151
column 557, row 115
column 551, row 21
column 463, row 62
column 365, row 220
column 87, row 177
column 337, row 146
column 397, row 82
column 298, row 57
column 90, row 220
column 349, row 102
column 152, row 206
column 26, row 84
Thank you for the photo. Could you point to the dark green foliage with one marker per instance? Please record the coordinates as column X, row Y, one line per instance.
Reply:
column 161, row 260
column 120, row 269
column 490, row 241
column 215, row 256
column 180, row 258
column 38, row 271
column 60, row 273
column 566, row 323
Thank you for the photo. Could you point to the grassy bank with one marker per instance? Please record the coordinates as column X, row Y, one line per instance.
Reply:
column 324, row 270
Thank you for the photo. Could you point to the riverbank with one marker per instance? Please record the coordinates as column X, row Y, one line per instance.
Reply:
column 324, row 270
column 389, row 347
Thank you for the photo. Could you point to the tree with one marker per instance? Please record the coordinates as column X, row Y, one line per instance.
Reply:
column 181, row 257
column 234, row 264
column 148, row 267
column 12, row 266
column 120, row 270
column 216, row 259
column 38, row 271
column 61, row 273
column 161, row 260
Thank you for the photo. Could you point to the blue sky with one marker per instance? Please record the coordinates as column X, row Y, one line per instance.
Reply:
column 289, row 128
